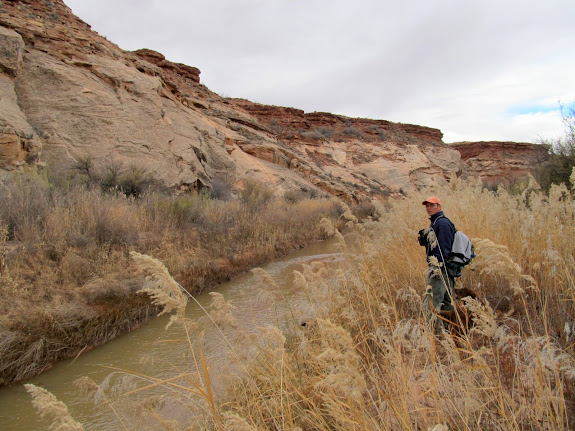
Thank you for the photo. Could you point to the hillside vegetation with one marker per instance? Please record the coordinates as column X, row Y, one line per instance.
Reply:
column 66, row 278
column 366, row 358
column 559, row 167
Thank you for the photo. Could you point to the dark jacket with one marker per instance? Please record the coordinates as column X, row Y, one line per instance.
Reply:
column 444, row 231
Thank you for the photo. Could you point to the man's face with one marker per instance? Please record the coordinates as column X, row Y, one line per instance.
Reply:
column 432, row 209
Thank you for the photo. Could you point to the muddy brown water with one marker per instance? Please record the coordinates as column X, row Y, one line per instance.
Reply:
column 154, row 351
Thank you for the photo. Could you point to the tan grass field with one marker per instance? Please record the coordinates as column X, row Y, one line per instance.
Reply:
column 66, row 278
column 366, row 358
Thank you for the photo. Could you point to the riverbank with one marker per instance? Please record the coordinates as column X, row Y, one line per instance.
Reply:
column 68, row 283
column 367, row 357
column 154, row 350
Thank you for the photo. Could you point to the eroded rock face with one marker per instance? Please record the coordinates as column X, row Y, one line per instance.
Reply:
column 500, row 162
column 19, row 144
column 69, row 95
column 11, row 51
column 114, row 114
column 375, row 157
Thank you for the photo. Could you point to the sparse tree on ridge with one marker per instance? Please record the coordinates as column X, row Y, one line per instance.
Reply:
column 559, row 167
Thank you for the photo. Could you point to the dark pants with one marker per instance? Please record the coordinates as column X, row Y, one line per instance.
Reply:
column 442, row 284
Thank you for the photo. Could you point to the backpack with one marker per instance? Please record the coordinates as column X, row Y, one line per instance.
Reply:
column 461, row 254
column 462, row 250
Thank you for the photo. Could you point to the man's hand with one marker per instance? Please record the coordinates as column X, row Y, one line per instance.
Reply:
column 422, row 238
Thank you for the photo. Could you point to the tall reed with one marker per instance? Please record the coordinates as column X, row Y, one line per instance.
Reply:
column 357, row 352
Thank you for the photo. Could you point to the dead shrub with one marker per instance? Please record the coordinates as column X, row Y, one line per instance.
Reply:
column 116, row 222
column 365, row 210
column 255, row 194
column 76, row 269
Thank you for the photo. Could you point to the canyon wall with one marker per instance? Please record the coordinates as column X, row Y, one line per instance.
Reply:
column 69, row 96
column 500, row 162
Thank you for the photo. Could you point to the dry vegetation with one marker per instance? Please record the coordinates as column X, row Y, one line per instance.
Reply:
column 66, row 278
column 366, row 358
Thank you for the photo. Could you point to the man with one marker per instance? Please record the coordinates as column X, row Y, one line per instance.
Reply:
column 437, row 240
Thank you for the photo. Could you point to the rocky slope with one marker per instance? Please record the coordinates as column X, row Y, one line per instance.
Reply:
column 500, row 162
column 69, row 95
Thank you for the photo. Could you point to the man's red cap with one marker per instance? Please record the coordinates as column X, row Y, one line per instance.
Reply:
column 431, row 200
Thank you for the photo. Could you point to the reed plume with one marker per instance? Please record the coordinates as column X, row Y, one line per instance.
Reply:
column 48, row 405
column 161, row 287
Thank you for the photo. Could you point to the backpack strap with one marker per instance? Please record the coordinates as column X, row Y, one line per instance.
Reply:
column 443, row 216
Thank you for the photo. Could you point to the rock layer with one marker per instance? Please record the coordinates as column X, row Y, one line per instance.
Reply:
column 69, row 95
column 500, row 162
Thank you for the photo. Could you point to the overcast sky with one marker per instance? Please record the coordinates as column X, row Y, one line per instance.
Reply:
column 476, row 69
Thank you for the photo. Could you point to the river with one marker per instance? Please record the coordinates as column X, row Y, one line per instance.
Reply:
column 151, row 349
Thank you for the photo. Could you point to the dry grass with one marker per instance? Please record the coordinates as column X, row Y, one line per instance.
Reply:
column 366, row 357
column 513, row 370
column 66, row 277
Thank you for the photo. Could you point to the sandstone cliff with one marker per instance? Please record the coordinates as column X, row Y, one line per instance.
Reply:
column 500, row 162
column 68, row 94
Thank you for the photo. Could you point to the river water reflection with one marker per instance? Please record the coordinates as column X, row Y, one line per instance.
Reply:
column 152, row 350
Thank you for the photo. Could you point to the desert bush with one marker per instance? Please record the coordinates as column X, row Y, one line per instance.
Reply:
column 295, row 195
column 83, row 217
column 365, row 210
column 84, row 167
column 353, row 132
column 25, row 204
column 184, row 211
column 312, row 134
column 135, row 181
column 113, row 177
column 255, row 194
column 109, row 178
column 326, row 132
column 220, row 189
column 115, row 224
